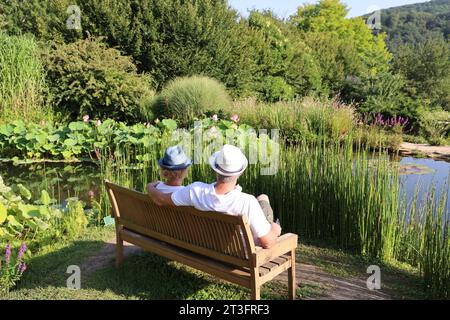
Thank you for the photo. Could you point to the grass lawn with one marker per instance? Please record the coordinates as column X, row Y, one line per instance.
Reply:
column 148, row 276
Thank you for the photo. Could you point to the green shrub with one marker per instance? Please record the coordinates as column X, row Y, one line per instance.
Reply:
column 75, row 220
column 414, row 139
column 22, row 80
column 435, row 126
column 275, row 89
column 87, row 77
column 187, row 98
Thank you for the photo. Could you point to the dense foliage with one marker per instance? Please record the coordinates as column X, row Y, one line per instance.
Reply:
column 426, row 69
column 260, row 55
column 416, row 22
column 87, row 77
column 40, row 221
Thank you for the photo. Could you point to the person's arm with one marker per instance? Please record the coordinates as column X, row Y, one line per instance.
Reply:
column 271, row 238
column 158, row 197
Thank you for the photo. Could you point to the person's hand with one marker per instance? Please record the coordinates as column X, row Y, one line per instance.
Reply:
column 277, row 228
column 152, row 185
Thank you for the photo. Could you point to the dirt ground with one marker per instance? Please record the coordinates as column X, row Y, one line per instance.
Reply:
column 440, row 152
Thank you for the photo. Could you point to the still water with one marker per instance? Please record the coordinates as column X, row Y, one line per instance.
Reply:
column 83, row 179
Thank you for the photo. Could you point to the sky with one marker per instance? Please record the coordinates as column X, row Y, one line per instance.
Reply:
column 285, row 8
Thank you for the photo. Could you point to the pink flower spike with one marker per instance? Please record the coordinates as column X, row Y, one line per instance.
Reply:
column 22, row 250
column 8, row 252
column 98, row 123
column 86, row 118
column 215, row 117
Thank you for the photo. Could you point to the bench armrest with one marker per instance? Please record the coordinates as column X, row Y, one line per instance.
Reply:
column 285, row 243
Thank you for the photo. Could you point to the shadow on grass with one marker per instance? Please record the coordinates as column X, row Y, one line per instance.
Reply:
column 142, row 276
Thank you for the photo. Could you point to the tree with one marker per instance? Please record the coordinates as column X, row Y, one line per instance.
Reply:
column 426, row 67
column 166, row 38
column 346, row 43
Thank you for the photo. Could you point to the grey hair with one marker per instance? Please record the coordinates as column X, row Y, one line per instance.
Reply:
column 226, row 179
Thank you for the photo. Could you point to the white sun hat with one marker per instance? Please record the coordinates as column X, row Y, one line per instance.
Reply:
column 229, row 161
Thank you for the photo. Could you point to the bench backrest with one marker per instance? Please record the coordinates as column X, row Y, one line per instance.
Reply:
column 223, row 237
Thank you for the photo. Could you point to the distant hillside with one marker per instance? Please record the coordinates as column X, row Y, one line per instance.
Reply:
column 413, row 23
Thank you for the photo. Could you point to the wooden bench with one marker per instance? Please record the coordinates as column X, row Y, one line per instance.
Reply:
column 216, row 243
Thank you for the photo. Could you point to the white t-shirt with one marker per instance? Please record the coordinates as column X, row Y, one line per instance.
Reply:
column 164, row 188
column 203, row 197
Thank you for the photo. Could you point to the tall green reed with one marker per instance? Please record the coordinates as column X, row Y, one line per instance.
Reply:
column 22, row 80
column 331, row 191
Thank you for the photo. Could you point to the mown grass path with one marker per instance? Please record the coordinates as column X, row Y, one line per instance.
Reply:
column 326, row 285
column 323, row 273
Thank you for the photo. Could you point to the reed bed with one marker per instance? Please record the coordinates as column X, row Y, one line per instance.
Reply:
column 334, row 192
column 22, row 80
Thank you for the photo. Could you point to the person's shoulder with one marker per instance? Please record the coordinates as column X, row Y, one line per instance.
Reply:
column 198, row 185
column 249, row 197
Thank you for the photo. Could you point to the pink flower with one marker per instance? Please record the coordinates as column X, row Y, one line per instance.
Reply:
column 8, row 252
column 98, row 123
column 22, row 267
column 22, row 250
column 85, row 118
column 215, row 117
column 91, row 194
column 235, row 118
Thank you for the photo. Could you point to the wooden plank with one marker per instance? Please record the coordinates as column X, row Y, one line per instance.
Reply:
column 274, row 272
column 285, row 244
column 222, row 270
column 292, row 285
column 192, row 247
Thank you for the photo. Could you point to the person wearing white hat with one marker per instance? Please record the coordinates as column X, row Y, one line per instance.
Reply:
column 225, row 196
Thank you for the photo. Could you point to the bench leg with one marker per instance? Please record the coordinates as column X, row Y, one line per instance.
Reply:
column 256, row 287
column 119, row 251
column 292, row 285
column 256, row 292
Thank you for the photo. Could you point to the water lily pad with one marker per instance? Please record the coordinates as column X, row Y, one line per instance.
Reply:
column 414, row 168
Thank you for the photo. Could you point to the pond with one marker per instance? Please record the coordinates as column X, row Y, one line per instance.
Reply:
column 83, row 179
column 422, row 175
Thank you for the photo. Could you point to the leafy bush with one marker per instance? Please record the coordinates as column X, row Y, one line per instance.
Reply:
column 384, row 93
column 187, row 98
column 75, row 220
column 87, row 77
column 435, row 126
column 22, row 80
column 77, row 139
column 276, row 89
column 40, row 221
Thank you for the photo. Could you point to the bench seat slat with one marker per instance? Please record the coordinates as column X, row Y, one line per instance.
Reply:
column 191, row 247
column 216, row 268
